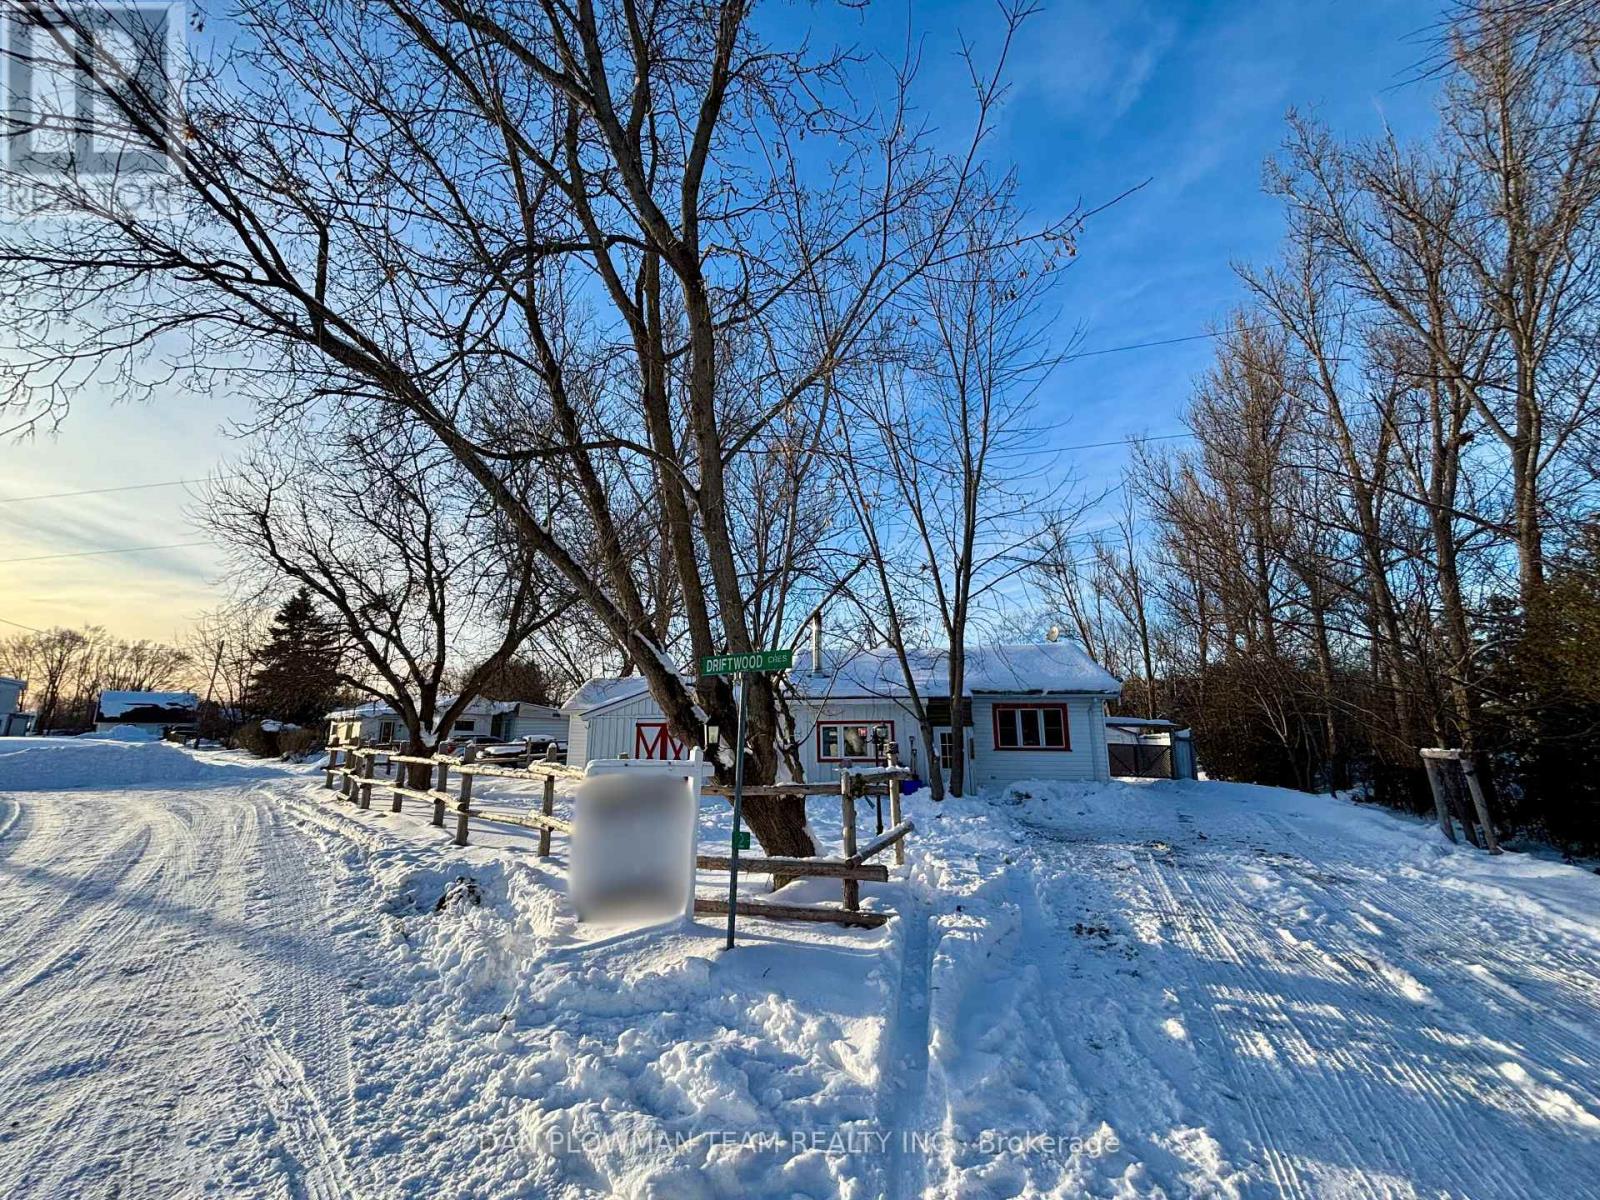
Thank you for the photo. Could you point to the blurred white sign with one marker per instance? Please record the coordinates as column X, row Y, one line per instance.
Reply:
column 633, row 840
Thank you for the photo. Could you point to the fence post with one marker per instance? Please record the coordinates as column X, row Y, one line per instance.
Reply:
column 348, row 787
column 440, row 788
column 368, row 761
column 464, row 809
column 1441, row 809
column 847, row 800
column 333, row 758
column 402, row 773
column 1469, row 770
column 548, row 805
column 892, row 757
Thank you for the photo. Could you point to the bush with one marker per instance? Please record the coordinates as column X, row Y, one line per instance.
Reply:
column 263, row 743
column 297, row 743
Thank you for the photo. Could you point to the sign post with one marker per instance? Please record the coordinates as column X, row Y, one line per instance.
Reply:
column 742, row 665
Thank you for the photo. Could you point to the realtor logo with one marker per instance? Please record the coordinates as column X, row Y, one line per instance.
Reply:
column 89, row 99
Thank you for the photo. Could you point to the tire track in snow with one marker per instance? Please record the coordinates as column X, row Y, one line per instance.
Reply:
column 150, row 1066
column 100, row 1028
column 1278, row 1161
column 1383, row 1036
column 46, row 945
column 905, row 1110
column 1140, row 1097
column 1561, row 1028
column 1331, row 1060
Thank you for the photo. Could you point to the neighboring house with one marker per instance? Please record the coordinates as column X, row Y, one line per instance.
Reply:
column 1029, row 712
column 509, row 720
column 13, row 721
column 153, row 711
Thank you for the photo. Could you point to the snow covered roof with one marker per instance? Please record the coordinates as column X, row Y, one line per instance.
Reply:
column 382, row 708
column 597, row 693
column 1045, row 669
column 121, row 704
column 1143, row 723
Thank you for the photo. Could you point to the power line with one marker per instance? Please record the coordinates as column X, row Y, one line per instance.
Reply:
column 1214, row 333
column 1172, row 341
column 1126, row 441
column 20, row 625
column 131, row 487
column 91, row 553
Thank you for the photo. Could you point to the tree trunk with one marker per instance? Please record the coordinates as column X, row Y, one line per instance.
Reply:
column 958, row 742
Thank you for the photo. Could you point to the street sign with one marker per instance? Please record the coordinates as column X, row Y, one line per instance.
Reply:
column 737, row 664
column 744, row 665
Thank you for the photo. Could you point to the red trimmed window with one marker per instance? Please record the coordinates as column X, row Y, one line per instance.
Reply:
column 848, row 741
column 1031, row 727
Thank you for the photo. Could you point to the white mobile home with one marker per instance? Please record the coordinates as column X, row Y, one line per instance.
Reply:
column 1027, row 712
column 509, row 720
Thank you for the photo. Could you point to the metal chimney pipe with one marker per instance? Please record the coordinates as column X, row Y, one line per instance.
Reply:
column 816, row 642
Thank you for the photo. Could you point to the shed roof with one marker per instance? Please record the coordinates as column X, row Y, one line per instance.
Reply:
column 598, row 693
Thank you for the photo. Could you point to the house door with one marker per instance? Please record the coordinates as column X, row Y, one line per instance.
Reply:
column 944, row 742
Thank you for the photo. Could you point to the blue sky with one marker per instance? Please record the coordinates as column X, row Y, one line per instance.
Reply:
column 1190, row 96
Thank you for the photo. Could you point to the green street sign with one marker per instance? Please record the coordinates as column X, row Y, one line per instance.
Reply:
column 742, row 840
column 737, row 664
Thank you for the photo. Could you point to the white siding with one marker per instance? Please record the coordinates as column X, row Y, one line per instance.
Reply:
column 610, row 733
column 539, row 728
column 1086, row 733
column 577, row 741
column 863, row 712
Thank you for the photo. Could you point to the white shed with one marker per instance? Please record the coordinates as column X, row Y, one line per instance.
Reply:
column 1028, row 712
column 13, row 721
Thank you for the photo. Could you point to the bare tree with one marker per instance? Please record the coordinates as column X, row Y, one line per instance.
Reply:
column 623, row 241
column 230, row 636
column 957, row 442
column 382, row 532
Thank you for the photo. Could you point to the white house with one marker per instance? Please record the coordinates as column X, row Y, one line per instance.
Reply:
column 1027, row 712
column 151, row 711
column 508, row 720
column 13, row 721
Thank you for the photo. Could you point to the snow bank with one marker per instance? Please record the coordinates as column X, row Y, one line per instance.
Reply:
column 59, row 764
column 595, row 1061
column 129, row 733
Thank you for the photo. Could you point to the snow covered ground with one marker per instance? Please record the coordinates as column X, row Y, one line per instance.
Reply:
column 217, row 981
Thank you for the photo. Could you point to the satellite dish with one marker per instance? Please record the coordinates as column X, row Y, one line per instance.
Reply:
column 1054, row 635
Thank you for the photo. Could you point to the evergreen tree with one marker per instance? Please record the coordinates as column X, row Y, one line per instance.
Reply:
column 298, row 679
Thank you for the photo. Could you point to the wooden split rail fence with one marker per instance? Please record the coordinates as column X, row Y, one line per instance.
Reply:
column 355, row 768
column 353, row 771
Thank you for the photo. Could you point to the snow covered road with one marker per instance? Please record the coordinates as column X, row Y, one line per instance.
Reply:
column 168, row 1002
